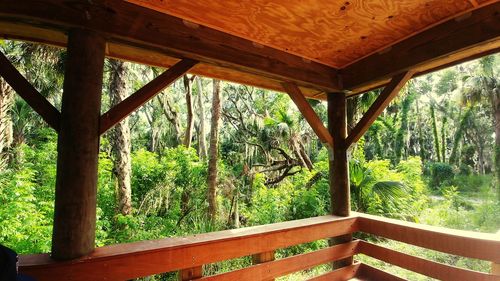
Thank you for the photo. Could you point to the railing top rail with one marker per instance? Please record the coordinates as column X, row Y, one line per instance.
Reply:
column 132, row 260
column 484, row 246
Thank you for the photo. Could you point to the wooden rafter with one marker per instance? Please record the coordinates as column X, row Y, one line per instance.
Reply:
column 469, row 30
column 383, row 100
column 144, row 94
column 308, row 112
column 474, row 3
column 24, row 89
column 132, row 25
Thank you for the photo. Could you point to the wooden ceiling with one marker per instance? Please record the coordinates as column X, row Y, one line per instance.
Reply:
column 332, row 32
column 321, row 45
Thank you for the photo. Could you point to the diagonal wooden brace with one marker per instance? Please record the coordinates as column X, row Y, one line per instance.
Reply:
column 384, row 99
column 144, row 94
column 308, row 112
column 24, row 89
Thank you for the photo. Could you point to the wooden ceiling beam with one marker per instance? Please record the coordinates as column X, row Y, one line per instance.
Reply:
column 308, row 112
column 133, row 25
column 144, row 94
column 466, row 31
column 23, row 88
column 378, row 106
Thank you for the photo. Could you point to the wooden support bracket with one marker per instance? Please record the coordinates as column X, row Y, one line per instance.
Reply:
column 192, row 273
column 24, row 89
column 144, row 94
column 308, row 112
column 263, row 258
column 388, row 94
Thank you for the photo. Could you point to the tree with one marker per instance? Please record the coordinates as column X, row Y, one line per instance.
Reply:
column 213, row 151
column 484, row 86
column 202, row 146
column 120, row 138
column 6, row 99
column 188, row 136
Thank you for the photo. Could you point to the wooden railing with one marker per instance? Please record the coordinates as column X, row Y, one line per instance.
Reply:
column 189, row 254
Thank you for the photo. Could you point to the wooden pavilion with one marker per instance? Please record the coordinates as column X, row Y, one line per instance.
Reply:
column 319, row 49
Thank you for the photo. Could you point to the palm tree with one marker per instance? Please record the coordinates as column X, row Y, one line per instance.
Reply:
column 484, row 87
column 364, row 188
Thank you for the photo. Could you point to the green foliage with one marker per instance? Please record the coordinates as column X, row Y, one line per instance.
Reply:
column 269, row 205
column 441, row 174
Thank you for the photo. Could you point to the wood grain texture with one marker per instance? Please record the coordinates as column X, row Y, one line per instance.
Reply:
column 474, row 29
column 383, row 100
column 32, row 97
column 344, row 273
column 368, row 273
column 132, row 260
column 16, row 31
column 457, row 242
column 133, row 25
column 333, row 32
column 281, row 267
column 426, row 267
column 144, row 94
column 193, row 273
column 308, row 112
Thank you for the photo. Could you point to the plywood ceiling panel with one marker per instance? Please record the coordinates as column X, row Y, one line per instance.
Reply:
column 331, row 32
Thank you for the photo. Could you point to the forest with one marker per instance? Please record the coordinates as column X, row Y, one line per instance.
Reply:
column 207, row 155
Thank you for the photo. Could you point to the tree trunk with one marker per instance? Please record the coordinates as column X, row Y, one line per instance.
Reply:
column 213, row 151
column 496, row 110
column 201, row 111
column 435, row 133
column 120, row 140
column 420, row 135
column 6, row 100
column 189, row 104
column 172, row 117
column 443, row 139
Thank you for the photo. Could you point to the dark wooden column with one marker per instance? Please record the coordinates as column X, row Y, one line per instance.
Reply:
column 78, row 147
column 339, row 165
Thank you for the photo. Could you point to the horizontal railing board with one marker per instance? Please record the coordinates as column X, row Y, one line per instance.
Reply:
column 423, row 266
column 132, row 260
column 344, row 273
column 469, row 244
column 281, row 267
column 366, row 272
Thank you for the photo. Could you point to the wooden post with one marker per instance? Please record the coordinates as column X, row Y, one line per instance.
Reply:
column 339, row 166
column 192, row 273
column 78, row 147
column 262, row 258
column 495, row 266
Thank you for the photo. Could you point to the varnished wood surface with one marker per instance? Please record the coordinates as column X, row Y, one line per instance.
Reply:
column 344, row 273
column 32, row 97
column 144, row 94
column 308, row 112
column 333, row 32
column 281, row 267
column 369, row 273
column 470, row 244
column 426, row 267
column 125, row 261
column 132, row 260
column 15, row 23
column 478, row 28
column 132, row 25
column 379, row 105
